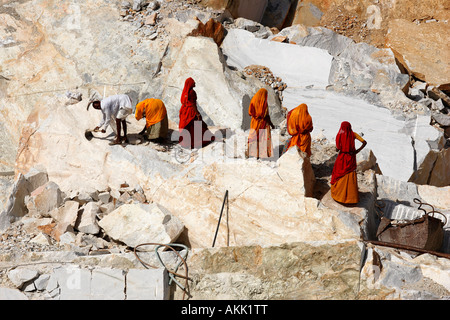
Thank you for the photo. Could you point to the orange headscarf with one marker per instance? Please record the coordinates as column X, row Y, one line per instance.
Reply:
column 259, row 110
column 153, row 109
column 299, row 125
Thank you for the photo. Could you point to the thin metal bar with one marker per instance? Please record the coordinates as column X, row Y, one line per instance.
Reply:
column 220, row 217
column 405, row 247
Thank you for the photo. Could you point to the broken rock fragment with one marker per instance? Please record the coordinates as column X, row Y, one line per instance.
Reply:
column 44, row 199
column 135, row 224
column 87, row 221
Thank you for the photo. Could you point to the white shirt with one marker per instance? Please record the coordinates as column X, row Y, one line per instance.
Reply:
column 110, row 107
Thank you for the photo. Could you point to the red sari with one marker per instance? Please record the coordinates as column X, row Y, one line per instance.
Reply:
column 194, row 131
column 344, row 183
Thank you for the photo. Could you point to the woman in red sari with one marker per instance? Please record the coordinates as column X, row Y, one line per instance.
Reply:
column 259, row 142
column 344, row 182
column 194, row 131
column 299, row 125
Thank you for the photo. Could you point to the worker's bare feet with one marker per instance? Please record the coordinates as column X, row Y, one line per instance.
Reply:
column 116, row 141
column 124, row 139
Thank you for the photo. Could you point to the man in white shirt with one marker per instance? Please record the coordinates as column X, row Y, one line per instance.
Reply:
column 115, row 108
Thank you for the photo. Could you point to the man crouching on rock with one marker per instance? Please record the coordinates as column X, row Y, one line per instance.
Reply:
column 115, row 108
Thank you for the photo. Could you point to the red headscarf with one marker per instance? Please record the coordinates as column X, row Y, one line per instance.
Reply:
column 188, row 110
column 346, row 160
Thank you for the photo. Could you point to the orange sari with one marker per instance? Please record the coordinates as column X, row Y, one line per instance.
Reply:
column 299, row 125
column 259, row 142
column 153, row 109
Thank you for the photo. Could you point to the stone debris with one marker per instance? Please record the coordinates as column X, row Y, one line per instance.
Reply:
column 135, row 224
column 266, row 76
column 74, row 283
column 53, row 219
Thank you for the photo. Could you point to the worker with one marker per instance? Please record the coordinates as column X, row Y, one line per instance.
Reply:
column 194, row 131
column 344, row 182
column 259, row 143
column 115, row 108
column 156, row 121
column 299, row 126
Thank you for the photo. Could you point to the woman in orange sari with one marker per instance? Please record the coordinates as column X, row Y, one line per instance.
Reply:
column 299, row 125
column 344, row 182
column 259, row 142
column 156, row 121
column 194, row 131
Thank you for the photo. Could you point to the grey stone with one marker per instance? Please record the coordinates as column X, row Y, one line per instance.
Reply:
column 416, row 94
column 138, row 4
column 395, row 275
column 29, row 287
column 67, row 238
column 322, row 38
column 438, row 105
column 115, row 194
column 77, row 283
column 87, row 222
column 134, row 224
column 108, row 284
column 83, row 198
column 434, row 169
column 104, row 197
column 19, row 276
column 52, row 283
column 396, row 211
column 22, row 187
column 125, row 5
column 42, row 281
column 153, row 5
column 74, row 283
column 15, row 206
column 360, row 71
column 45, row 198
column 247, row 24
column 107, row 208
column 441, row 119
column 395, row 190
column 365, row 160
column 36, row 177
column 149, row 284
column 11, row 294
column 426, row 102
column 74, row 95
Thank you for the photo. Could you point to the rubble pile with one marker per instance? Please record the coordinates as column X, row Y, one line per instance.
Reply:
column 54, row 220
column 148, row 18
column 434, row 100
column 266, row 76
column 349, row 26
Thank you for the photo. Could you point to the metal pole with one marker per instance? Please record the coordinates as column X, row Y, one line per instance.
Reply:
column 405, row 247
column 220, row 217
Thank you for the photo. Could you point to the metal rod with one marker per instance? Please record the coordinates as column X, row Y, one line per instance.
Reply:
column 405, row 247
column 220, row 217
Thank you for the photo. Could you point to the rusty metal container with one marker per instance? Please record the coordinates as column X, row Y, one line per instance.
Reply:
column 426, row 232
